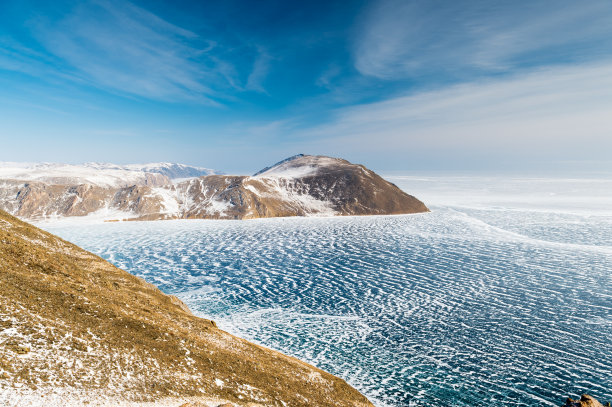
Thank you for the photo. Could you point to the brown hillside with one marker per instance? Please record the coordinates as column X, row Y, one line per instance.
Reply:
column 72, row 323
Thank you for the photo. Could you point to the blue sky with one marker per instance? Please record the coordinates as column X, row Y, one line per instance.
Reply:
column 235, row 85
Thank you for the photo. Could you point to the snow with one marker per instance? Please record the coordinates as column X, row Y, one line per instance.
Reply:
column 298, row 166
column 285, row 171
column 60, row 397
column 104, row 175
column 171, row 170
column 292, row 158
column 215, row 206
column 73, row 174
column 100, row 216
column 285, row 190
column 169, row 200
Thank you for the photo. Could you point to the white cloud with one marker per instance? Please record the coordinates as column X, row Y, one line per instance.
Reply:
column 558, row 112
column 261, row 66
column 398, row 39
column 120, row 47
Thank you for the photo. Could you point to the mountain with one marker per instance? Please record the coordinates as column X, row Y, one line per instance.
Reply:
column 279, row 164
column 76, row 330
column 301, row 185
column 170, row 170
column 100, row 174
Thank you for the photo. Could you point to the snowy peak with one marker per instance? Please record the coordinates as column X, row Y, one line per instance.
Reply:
column 286, row 160
column 301, row 165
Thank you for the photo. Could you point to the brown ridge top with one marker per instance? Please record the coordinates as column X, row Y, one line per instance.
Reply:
column 70, row 320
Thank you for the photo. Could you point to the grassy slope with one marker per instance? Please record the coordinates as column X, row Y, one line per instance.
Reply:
column 70, row 320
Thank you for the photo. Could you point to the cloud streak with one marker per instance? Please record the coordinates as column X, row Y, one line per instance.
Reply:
column 399, row 39
column 127, row 49
column 119, row 47
column 261, row 66
column 553, row 113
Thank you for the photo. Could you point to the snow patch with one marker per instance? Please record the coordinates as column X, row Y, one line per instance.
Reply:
column 168, row 200
column 100, row 216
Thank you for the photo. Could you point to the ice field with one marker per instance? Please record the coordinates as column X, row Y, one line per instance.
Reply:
column 503, row 293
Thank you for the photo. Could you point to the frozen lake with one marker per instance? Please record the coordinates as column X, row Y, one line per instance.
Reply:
column 502, row 294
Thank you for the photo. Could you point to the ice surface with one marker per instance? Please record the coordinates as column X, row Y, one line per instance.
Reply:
column 584, row 196
column 502, row 295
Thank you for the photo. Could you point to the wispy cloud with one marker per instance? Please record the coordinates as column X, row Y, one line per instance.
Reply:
column 326, row 79
column 261, row 66
column 399, row 39
column 15, row 56
column 124, row 48
column 562, row 112
column 120, row 47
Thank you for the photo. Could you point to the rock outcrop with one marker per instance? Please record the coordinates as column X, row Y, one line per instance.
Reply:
column 299, row 186
column 585, row 401
column 76, row 330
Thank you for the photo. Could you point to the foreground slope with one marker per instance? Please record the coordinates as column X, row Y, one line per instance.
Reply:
column 75, row 329
column 301, row 185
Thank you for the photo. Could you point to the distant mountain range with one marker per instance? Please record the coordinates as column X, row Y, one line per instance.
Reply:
column 100, row 174
column 302, row 185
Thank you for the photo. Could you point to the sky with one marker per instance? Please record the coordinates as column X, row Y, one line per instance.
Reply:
column 483, row 86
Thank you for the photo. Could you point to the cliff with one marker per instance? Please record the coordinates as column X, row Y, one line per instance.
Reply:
column 74, row 330
column 299, row 186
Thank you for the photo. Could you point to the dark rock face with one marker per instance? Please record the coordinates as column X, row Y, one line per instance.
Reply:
column 585, row 401
column 301, row 185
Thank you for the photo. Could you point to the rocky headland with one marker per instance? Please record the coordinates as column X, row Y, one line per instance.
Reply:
column 75, row 330
column 301, row 185
column 584, row 401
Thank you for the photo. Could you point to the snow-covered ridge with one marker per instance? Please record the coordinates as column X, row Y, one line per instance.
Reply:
column 100, row 174
column 171, row 170
column 299, row 166
column 278, row 164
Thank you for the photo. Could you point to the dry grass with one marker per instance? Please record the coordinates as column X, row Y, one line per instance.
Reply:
column 70, row 320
